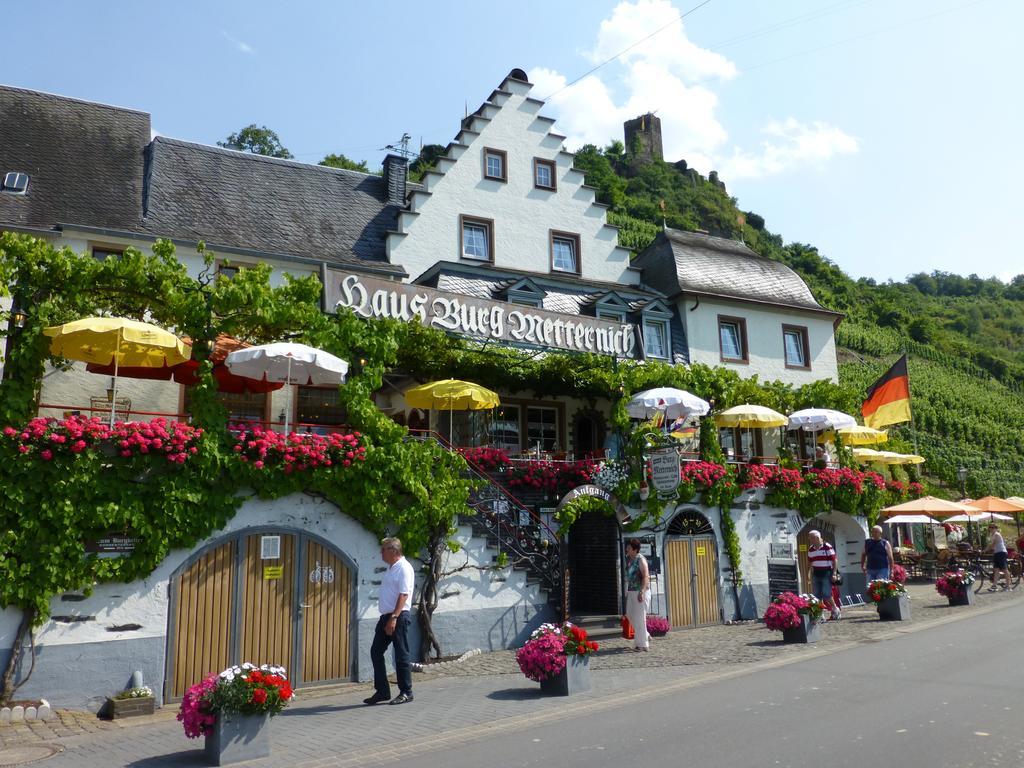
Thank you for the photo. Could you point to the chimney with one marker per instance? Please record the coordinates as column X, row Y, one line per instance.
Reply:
column 396, row 173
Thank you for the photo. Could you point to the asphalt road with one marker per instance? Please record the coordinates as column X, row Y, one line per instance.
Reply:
column 945, row 696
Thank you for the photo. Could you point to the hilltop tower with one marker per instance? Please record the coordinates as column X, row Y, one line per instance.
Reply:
column 643, row 139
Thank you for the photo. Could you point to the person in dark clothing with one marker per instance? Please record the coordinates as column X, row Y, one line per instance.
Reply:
column 877, row 561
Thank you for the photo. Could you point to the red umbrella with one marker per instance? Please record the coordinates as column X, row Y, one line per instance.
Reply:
column 187, row 373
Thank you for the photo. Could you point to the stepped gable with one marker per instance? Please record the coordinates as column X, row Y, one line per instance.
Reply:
column 714, row 266
column 84, row 161
column 242, row 200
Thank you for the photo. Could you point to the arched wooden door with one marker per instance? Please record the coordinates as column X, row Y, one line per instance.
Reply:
column 691, row 571
column 267, row 597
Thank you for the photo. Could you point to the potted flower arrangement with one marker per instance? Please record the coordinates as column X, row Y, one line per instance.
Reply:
column 798, row 617
column 899, row 574
column 956, row 586
column 891, row 598
column 657, row 626
column 131, row 703
column 558, row 657
column 232, row 709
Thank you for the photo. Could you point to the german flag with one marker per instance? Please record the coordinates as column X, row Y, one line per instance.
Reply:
column 888, row 399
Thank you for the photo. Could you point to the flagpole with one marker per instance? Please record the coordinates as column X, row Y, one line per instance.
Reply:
column 913, row 429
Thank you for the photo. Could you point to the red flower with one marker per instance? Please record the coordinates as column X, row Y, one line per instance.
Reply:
column 259, row 695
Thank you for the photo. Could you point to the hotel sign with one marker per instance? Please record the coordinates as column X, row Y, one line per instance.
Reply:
column 477, row 318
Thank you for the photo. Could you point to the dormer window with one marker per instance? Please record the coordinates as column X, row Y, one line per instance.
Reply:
column 565, row 252
column 543, row 174
column 525, row 292
column 657, row 333
column 495, row 164
column 611, row 307
column 15, row 183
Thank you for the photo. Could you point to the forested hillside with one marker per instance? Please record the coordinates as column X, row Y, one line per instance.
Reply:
column 964, row 335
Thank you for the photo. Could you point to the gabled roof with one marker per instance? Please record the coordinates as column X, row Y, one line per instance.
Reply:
column 95, row 167
column 198, row 192
column 688, row 262
column 84, row 160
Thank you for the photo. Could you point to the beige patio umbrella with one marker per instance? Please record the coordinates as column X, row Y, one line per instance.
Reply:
column 930, row 505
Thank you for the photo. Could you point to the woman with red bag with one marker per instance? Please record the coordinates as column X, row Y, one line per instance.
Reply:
column 638, row 582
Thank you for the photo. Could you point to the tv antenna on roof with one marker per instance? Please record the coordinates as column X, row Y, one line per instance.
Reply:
column 402, row 148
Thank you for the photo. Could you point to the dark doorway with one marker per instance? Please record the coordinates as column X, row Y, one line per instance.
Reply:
column 594, row 564
column 587, row 434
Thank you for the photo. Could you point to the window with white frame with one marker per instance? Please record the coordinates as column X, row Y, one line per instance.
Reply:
column 732, row 339
column 477, row 236
column 795, row 346
column 543, row 173
column 656, row 340
column 565, row 252
column 495, row 164
column 541, row 428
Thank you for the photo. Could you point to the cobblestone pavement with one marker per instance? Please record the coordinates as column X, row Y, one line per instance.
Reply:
column 482, row 695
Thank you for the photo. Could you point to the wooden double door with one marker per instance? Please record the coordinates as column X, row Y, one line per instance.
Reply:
column 691, row 576
column 272, row 597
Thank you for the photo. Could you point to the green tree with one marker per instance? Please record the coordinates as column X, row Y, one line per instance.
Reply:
column 257, row 140
column 340, row 161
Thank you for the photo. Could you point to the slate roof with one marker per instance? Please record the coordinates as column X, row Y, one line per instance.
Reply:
column 560, row 295
column 237, row 199
column 96, row 166
column 689, row 262
column 84, row 160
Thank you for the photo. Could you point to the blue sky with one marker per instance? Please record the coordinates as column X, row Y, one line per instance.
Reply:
column 885, row 132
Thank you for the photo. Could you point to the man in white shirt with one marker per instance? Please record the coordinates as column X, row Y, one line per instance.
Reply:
column 394, row 601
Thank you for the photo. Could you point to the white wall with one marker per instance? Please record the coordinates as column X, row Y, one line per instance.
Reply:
column 764, row 339
column 145, row 601
column 522, row 215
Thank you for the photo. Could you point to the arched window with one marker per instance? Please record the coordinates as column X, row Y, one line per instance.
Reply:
column 690, row 522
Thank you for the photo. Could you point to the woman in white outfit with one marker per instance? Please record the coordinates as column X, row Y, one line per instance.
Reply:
column 638, row 582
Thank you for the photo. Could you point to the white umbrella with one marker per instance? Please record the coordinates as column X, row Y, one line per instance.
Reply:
column 819, row 419
column 676, row 403
column 977, row 517
column 911, row 519
column 288, row 362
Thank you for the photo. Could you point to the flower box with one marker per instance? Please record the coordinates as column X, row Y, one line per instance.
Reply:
column 807, row 631
column 575, row 678
column 963, row 596
column 894, row 609
column 118, row 709
column 236, row 738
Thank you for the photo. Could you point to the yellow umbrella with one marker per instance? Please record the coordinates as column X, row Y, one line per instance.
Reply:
column 452, row 395
column 868, row 455
column 860, row 435
column 117, row 341
column 750, row 416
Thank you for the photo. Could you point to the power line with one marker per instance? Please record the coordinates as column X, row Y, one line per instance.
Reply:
column 659, row 30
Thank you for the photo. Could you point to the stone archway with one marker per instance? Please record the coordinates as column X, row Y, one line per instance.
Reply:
column 846, row 535
column 593, row 555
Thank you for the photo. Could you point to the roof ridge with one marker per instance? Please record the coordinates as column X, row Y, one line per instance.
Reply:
column 254, row 157
column 61, row 97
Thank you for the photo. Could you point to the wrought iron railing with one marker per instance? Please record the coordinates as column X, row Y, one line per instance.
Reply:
column 512, row 526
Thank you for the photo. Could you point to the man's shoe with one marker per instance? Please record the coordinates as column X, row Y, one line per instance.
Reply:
column 377, row 698
column 402, row 698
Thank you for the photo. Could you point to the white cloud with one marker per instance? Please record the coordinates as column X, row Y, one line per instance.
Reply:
column 675, row 78
column 240, row 45
column 792, row 144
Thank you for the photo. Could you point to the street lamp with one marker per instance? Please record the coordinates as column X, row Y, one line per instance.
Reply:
column 961, row 475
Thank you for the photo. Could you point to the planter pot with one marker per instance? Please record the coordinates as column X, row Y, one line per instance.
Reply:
column 656, row 634
column 964, row 596
column 237, row 738
column 806, row 632
column 575, row 678
column 120, row 708
column 894, row 609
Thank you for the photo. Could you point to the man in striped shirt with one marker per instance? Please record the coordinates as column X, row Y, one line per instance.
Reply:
column 822, row 557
